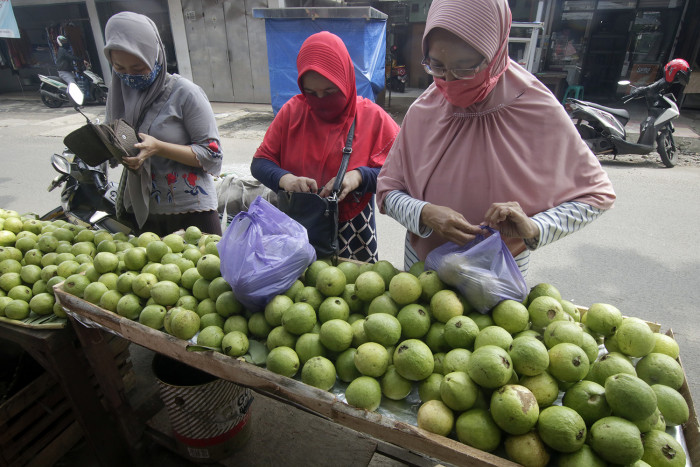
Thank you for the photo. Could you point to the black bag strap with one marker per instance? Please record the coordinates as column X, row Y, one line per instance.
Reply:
column 347, row 150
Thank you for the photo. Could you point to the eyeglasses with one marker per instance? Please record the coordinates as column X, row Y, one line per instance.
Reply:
column 458, row 73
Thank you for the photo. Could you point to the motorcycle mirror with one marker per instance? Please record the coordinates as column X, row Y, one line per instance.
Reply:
column 60, row 164
column 624, row 82
column 98, row 216
column 76, row 94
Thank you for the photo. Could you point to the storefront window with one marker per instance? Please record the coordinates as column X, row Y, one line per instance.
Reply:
column 648, row 37
column 617, row 4
column 525, row 31
column 651, row 35
column 39, row 26
column 599, row 42
column 524, row 11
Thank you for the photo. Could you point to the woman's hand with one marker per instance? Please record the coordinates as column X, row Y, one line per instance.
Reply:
column 290, row 182
column 147, row 147
column 351, row 182
column 510, row 219
column 448, row 223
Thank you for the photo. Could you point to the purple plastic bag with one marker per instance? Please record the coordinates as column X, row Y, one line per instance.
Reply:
column 263, row 251
column 483, row 271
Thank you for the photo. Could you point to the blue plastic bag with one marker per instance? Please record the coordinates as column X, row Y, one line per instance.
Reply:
column 263, row 251
column 483, row 270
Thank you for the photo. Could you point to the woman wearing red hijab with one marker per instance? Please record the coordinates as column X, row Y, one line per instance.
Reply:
column 302, row 148
column 486, row 143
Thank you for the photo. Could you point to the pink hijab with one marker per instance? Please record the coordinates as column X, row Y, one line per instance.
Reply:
column 516, row 144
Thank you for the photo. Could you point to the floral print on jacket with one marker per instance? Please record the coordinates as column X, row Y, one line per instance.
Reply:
column 192, row 185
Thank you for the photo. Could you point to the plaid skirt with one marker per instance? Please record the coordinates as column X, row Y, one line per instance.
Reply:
column 357, row 238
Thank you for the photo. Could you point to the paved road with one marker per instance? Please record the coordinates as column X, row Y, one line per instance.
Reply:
column 642, row 256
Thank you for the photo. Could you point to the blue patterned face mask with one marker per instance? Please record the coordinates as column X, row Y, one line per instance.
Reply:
column 140, row 82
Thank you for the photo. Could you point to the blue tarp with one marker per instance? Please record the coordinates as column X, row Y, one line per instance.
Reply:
column 365, row 40
column 8, row 24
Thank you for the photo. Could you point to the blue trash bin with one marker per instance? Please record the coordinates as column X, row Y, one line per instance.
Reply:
column 362, row 29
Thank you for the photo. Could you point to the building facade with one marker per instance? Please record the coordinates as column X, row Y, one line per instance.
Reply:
column 593, row 43
column 222, row 47
column 216, row 43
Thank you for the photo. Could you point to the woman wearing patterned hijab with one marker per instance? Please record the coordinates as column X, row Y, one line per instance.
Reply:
column 170, row 184
column 301, row 150
column 486, row 144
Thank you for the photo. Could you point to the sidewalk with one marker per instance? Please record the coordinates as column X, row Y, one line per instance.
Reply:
column 242, row 128
column 251, row 117
column 687, row 125
column 235, row 120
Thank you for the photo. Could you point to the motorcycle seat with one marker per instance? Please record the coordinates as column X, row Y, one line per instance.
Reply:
column 622, row 113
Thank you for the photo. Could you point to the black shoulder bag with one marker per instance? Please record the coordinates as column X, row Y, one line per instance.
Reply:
column 319, row 215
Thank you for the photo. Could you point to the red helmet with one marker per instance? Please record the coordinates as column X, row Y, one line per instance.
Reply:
column 677, row 71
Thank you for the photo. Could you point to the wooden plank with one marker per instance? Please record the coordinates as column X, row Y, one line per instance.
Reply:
column 34, row 321
column 41, row 419
column 25, row 397
column 65, row 440
column 94, row 343
column 257, row 45
column 46, row 409
column 385, row 451
column 35, row 449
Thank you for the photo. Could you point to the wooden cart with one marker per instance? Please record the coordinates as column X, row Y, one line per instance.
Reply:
column 406, row 438
column 49, row 416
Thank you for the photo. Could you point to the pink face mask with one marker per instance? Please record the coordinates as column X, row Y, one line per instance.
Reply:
column 327, row 107
column 465, row 92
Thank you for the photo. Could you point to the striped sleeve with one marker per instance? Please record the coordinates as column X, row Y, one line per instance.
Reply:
column 523, row 262
column 410, row 257
column 406, row 210
column 560, row 221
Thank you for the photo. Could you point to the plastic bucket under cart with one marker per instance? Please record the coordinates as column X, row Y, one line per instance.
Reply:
column 210, row 417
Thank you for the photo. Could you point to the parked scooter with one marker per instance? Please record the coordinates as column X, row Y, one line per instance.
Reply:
column 603, row 128
column 54, row 91
column 398, row 74
column 88, row 198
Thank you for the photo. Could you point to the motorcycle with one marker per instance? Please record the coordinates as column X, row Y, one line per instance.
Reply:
column 54, row 91
column 88, row 198
column 398, row 74
column 603, row 128
column 398, row 78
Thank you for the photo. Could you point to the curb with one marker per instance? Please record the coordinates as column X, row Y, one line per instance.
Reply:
column 686, row 144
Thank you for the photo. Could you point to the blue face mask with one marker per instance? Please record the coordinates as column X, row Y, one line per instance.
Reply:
column 140, row 82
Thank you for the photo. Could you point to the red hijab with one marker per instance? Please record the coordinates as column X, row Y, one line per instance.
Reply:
column 306, row 145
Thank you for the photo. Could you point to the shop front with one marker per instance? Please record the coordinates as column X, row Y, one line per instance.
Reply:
column 406, row 24
column 22, row 59
column 216, row 43
column 599, row 42
column 82, row 22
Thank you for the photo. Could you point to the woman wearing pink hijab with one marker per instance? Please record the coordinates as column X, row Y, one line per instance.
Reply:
column 488, row 144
